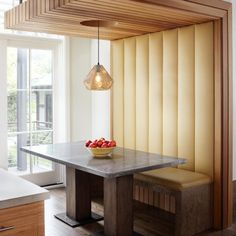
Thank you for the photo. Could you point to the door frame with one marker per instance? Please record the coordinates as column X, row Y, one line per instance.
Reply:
column 60, row 86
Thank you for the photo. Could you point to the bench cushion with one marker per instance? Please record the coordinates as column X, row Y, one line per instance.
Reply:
column 174, row 178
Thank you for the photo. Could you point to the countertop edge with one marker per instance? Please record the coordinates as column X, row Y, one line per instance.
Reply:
column 14, row 202
column 17, row 191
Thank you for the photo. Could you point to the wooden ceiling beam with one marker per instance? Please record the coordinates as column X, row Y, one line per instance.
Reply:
column 133, row 17
column 197, row 6
column 213, row 3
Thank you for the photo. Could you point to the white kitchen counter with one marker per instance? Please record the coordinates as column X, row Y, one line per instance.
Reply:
column 15, row 191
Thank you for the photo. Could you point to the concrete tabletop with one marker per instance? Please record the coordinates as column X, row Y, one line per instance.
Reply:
column 121, row 162
column 15, row 191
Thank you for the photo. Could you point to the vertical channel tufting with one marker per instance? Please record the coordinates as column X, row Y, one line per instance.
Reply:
column 163, row 94
column 204, row 98
column 170, row 92
column 142, row 81
column 155, row 92
column 118, row 90
column 129, row 92
column 186, row 97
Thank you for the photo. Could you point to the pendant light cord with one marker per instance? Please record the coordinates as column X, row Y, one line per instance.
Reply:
column 98, row 44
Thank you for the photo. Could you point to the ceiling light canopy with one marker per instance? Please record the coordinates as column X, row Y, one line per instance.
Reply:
column 98, row 78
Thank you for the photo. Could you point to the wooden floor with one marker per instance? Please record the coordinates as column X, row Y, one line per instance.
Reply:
column 146, row 224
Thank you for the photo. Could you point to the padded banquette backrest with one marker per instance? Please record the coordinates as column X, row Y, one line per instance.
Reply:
column 163, row 97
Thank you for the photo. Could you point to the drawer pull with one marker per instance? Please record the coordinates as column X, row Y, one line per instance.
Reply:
column 2, row 228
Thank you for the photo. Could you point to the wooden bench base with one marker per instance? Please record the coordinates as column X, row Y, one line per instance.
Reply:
column 192, row 206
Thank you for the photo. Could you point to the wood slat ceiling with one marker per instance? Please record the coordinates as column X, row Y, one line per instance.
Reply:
column 134, row 17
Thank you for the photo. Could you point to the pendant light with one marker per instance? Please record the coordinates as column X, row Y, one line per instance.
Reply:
column 98, row 78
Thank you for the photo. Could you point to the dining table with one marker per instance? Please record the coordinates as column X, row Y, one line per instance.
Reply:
column 117, row 170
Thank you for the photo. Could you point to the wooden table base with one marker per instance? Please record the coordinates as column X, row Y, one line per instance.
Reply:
column 118, row 206
column 74, row 223
column 118, row 203
column 103, row 234
column 78, row 199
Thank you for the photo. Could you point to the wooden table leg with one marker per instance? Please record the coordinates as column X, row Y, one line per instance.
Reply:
column 118, row 206
column 78, row 199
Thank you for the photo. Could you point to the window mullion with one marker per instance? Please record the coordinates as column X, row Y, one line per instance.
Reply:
column 30, row 118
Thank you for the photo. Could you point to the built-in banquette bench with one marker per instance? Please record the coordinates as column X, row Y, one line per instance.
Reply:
column 184, row 193
column 163, row 102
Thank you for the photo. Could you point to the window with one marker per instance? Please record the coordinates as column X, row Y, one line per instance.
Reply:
column 34, row 102
column 30, row 107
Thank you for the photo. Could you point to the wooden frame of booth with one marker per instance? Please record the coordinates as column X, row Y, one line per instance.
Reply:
column 222, row 195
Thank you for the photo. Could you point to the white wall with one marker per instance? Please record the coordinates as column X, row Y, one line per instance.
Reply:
column 80, row 103
column 89, row 110
column 101, row 99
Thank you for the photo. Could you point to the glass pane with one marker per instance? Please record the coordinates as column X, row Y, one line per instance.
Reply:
column 18, row 111
column 17, row 68
column 41, row 110
column 18, row 161
column 41, row 164
column 12, row 151
column 30, row 107
column 39, row 138
column 41, row 69
column 11, row 68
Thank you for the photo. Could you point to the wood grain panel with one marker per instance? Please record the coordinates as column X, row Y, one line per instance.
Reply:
column 150, row 197
column 222, row 5
column 118, row 206
column 172, row 204
column 142, row 110
column 204, row 100
column 170, row 92
column 78, row 194
column 141, row 194
column 129, row 92
column 227, row 117
column 155, row 92
column 218, row 122
column 229, row 66
column 162, row 200
column 188, row 6
column 156, row 199
column 26, row 220
column 117, row 61
column 186, row 97
column 134, row 17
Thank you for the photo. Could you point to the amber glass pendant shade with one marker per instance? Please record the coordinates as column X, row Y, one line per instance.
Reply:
column 98, row 79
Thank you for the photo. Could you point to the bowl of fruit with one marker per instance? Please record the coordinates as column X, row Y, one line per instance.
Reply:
column 100, row 147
